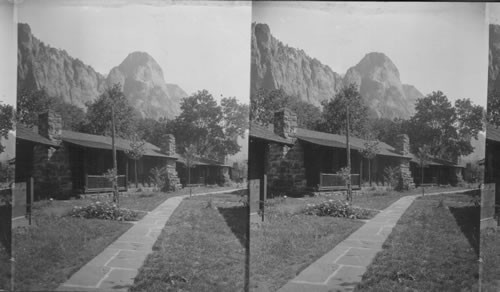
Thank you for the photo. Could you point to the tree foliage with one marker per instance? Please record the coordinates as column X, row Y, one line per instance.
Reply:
column 98, row 120
column 370, row 149
column 334, row 116
column 493, row 108
column 447, row 129
column 387, row 130
column 30, row 103
column 137, row 149
column 6, row 122
column 265, row 102
column 210, row 127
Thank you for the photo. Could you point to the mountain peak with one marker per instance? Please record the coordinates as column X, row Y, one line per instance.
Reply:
column 376, row 60
column 141, row 77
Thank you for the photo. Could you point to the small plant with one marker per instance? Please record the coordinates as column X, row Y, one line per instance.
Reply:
column 441, row 203
column 243, row 199
column 104, row 210
column 392, row 176
column 159, row 177
column 337, row 208
column 379, row 193
column 210, row 204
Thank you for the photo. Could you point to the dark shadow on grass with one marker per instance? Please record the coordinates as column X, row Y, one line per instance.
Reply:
column 237, row 219
column 467, row 218
column 6, row 227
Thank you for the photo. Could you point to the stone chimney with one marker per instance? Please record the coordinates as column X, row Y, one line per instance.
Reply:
column 168, row 146
column 403, row 145
column 285, row 123
column 50, row 126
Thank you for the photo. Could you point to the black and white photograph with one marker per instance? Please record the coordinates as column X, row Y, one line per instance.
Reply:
column 7, row 138
column 366, row 145
column 490, row 196
column 260, row 146
column 131, row 132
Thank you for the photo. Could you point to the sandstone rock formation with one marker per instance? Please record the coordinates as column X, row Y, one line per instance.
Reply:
column 494, row 58
column 380, row 85
column 275, row 65
column 41, row 66
column 144, row 85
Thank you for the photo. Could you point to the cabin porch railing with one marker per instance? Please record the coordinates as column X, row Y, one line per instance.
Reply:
column 100, row 183
column 335, row 182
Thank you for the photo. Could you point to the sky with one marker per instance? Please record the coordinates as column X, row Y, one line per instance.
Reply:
column 199, row 45
column 8, row 54
column 435, row 46
column 494, row 12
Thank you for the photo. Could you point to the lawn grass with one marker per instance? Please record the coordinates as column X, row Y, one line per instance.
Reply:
column 53, row 248
column 368, row 199
column 379, row 200
column 490, row 253
column 289, row 241
column 201, row 248
column 433, row 247
column 5, row 269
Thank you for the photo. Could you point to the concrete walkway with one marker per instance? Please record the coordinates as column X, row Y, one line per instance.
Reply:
column 115, row 268
column 341, row 268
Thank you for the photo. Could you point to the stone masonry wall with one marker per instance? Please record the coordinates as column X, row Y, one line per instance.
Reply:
column 173, row 180
column 286, row 173
column 168, row 147
column 225, row 178
column 51, row 166
column 403, row 147
column 285, row 123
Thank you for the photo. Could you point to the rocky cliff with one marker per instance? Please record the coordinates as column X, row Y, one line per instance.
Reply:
column 41, row 66
column 494, row 58
column 144, row 85
column 380, row 85
column 275, row 65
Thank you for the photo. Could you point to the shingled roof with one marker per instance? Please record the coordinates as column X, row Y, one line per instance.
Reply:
column 261, row 132
column 492, row 133
column 202, row 161
column 86, row 140
column 339, row 141
column 436, row 162
column 28, row 134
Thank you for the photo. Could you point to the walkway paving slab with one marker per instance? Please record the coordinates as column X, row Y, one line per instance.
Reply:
column 115, row 268
column 342, row 268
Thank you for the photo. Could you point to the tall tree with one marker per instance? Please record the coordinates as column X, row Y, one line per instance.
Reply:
column 334, row 115
column 98, row 120
column 190, row 153
column 370, row 151
column 424, row 156
column 445, row 128
column 135, row 153
column 493, row 108
column 30, row 103
column 210, row 127
column 265, row 102
column 387, row 130
column 6, row 122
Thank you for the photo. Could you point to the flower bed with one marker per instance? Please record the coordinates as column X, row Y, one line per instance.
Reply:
column 104, row 210
column 338, row 208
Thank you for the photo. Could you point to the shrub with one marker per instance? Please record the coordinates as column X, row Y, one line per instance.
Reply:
column 337, row 208
column 159, row 177
column 392, row 176
column 104, row 210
